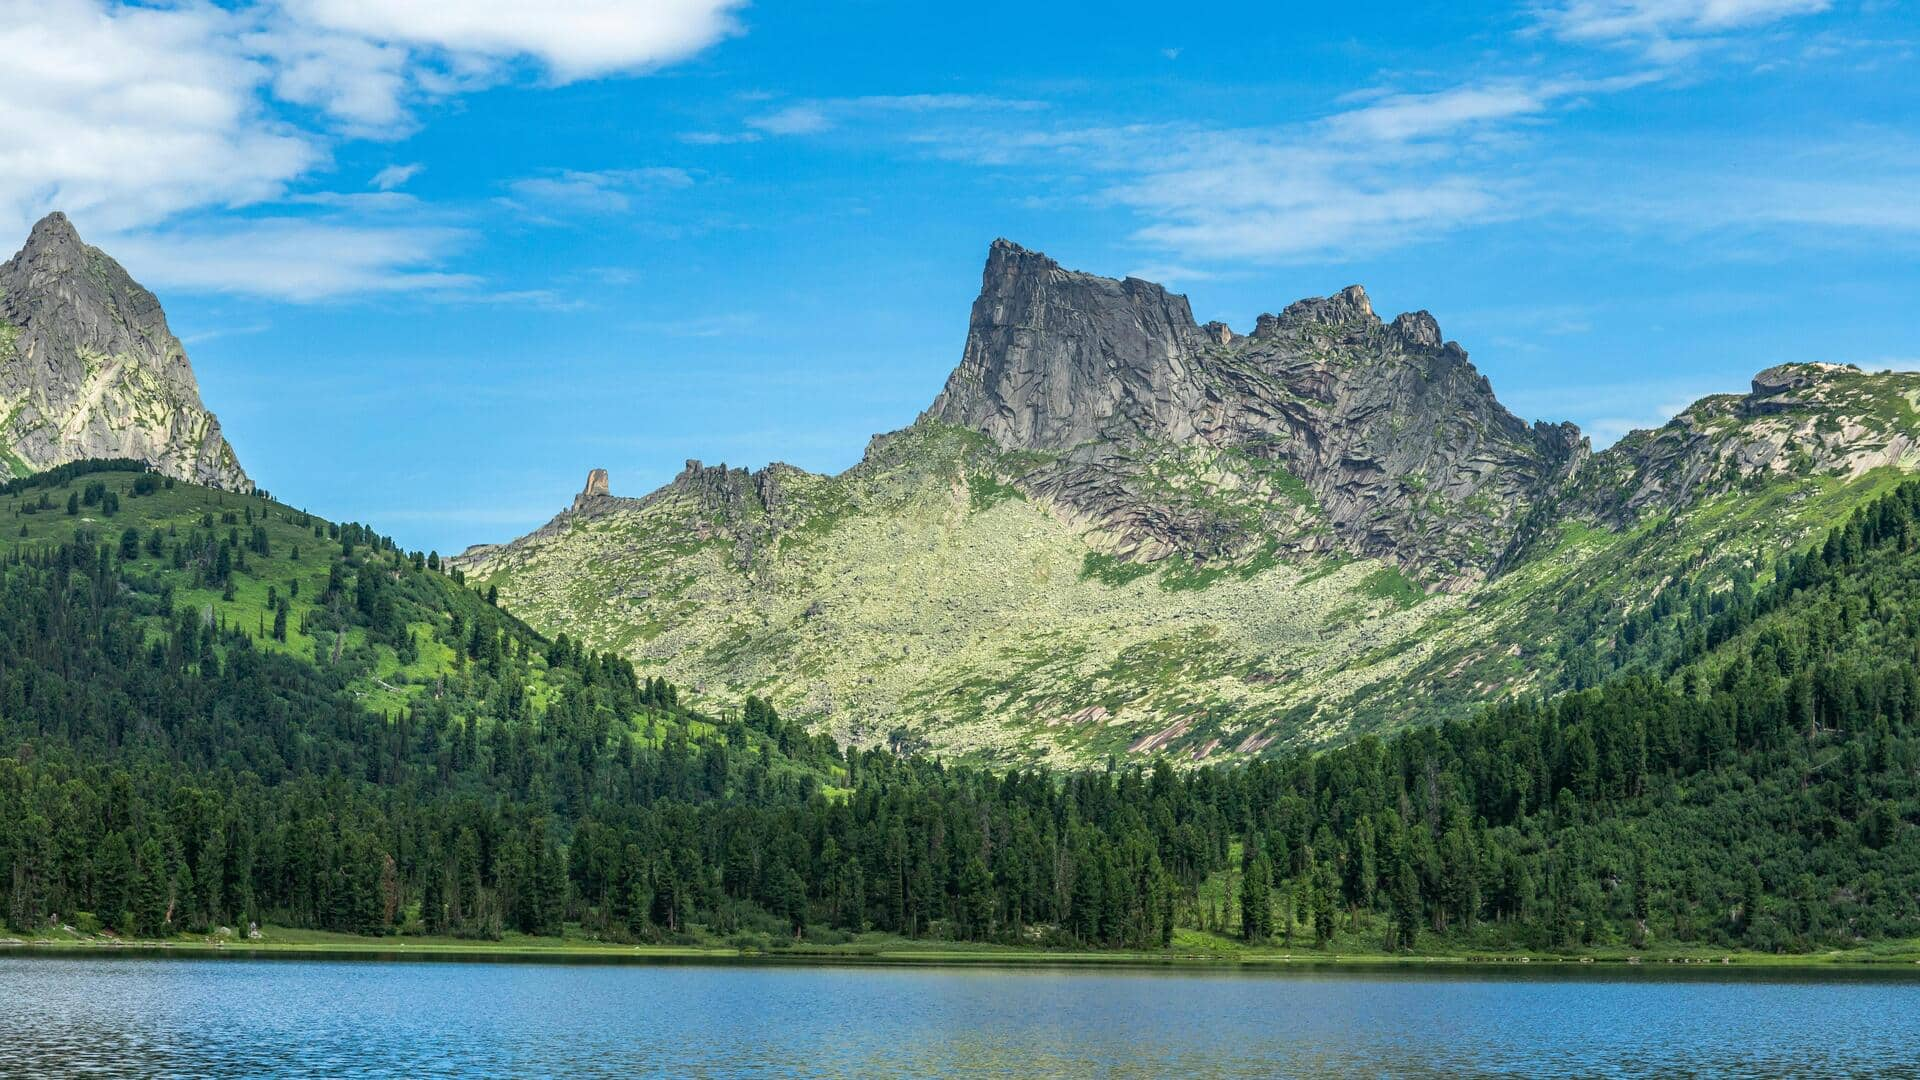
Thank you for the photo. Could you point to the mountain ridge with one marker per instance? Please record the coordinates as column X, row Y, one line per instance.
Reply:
column 1117, row 531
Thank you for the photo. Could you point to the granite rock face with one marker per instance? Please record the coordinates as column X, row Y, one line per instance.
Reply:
column 89, row 369
column 1326, row 428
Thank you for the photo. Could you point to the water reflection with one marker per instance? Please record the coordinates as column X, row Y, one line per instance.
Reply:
column 120, row 1017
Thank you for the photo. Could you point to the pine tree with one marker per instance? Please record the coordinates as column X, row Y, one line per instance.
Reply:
column 114, row 882
column 1256, row 895
column 150, row 890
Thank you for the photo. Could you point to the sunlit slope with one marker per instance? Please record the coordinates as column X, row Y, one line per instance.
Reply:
column 927, row 596
column 375, row 617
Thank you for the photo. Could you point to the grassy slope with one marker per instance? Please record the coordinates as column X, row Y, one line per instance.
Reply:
column 372, row 669
column 920, row 591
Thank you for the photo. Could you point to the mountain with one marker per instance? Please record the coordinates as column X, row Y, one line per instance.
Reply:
column 89, row 369
column 1327, row 428
column 1119, row 532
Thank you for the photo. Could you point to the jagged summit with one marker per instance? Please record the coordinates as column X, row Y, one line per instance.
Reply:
column 1399, row 445
column 54, row 233
column 89, row 368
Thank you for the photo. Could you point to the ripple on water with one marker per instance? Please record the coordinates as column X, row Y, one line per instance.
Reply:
column 146, row 1017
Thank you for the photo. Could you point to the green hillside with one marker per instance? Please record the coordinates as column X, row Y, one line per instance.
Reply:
column 935, row 595
column 1746, row 782
column 385, row 627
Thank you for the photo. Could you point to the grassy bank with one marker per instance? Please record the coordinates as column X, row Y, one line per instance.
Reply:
column 1189, row 949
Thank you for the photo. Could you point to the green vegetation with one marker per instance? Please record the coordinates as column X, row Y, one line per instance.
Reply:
column 1389, row 583
column 986, row 491
column 1111, row 569
column 1745, row 785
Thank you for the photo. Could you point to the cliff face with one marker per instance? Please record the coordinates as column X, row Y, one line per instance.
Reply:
column 1326, row 428
column 89, row 369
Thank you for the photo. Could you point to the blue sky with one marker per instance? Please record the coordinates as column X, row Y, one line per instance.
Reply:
column 433, row 262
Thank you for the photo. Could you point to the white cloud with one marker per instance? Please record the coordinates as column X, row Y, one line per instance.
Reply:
column 1170, row 274
column 363, row 87
column 131, row 115
column 292, row 258
column 1666, row 26
column 394, row 176
column 938, row 103
column 1607, row 411
column 1840, row 202
column 1410, row 116
column 572, row 39
column 1277, row 202
column 1856, row 189
column 725, row 324
column 124, row 116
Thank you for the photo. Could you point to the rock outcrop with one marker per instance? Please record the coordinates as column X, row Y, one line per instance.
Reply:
column 1325, row 428
column 1811, row 419
column 596, row 489
column 89, row 369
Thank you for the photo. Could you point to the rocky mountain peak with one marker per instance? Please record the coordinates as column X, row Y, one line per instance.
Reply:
column 90, row 369
column 1055, row 357
column 53, row 237
column 1399, row 444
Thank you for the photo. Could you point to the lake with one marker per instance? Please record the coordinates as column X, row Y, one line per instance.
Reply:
column 130, row 1016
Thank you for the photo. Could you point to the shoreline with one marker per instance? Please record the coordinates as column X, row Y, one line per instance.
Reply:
column 908, row 954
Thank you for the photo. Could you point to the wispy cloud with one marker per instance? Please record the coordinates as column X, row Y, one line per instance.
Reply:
column 394, row 176
column 1667, row 29
column 607, row 191
column 294, row 258
column 1392, row 167
column 539, row 299
column 1608, row 411
column 1398, row 168
column 792, row 120
column 216, row 333
column 817, row 115
column 718, row 138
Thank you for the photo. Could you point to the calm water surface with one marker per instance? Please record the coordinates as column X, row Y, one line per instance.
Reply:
column 145, row 1017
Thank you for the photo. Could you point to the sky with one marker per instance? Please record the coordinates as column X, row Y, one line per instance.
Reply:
column 433, row 262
